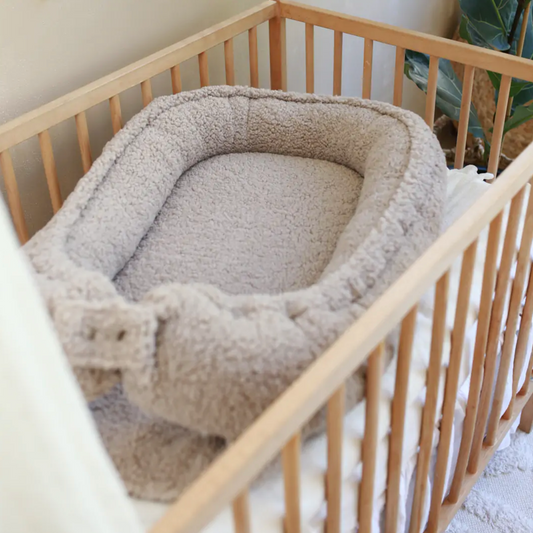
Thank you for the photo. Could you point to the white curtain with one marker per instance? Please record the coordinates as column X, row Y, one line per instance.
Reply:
column 55, row 476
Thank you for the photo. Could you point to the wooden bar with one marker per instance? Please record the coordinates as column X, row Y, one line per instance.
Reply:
column 502, row 284
column 367, row 68
column 146, row 91
column 398, row 76
column 241, row 513
column 84, row 142
column 431, row 96
column 525, row 388
column 13, row 196
column 462, row 133
column 430, row 408
column 526, row 420
column 175, row 76
column 50, row 170
column 278, row 55
column 290, row 456
column 499, row 123
column 337, row 63
column 515, row 304
column 522, row 342
column 229, row 62
column 452, row 385
column 309, row 58
column 335, row 423
column 204, row 69
column 254, row 60
column 485, row 308
column 401, row 388
column 116, row 113
column 370, row 439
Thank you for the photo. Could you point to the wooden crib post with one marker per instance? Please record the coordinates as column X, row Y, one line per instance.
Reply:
column 254, row 60
column 335, row 425
column 13, row 196
column 430, row 408
column 309, row 58
column 370, row 439
column 399, row 408
column 241, row 513
column 337, row 63
column 50, row 170
column 229, row 62
column 398, row 76
column 431, row 97
column 278, row 55
column 526, row 420
column 290, row 457
column 468, row 84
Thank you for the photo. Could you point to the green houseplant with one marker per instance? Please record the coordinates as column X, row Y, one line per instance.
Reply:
column 493, row 24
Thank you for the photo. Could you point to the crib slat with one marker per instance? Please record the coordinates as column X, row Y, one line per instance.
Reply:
column 517, row 292
column 431, row 97
column 229, row 62
column 241, row 513
column 335, row 419
column 146, row 91
column 398, row 419
column 204, row 69
column 254, row 61
column 485, row 306
column 398, row 76
column 175, row 76
column 367, row 68
column 337, row 63
column 370, row 440
column 430, row 407
column 278, row 56
column 116, row 113
column 525, row 387
column 523, row 339
column 13, row 196
column 468, row 84
column 499, row 122
column 309, row 58
column 502, row 284
column 291, row 477
column 84, row 142
column 452, row 384
column 50, row 170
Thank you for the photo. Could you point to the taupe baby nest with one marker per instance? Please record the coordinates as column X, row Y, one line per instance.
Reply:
column 222, row 241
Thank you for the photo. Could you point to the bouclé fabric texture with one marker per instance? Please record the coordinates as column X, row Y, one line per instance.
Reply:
column 223, row 240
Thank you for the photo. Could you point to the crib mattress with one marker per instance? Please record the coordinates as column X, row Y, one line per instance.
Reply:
column 267, row 500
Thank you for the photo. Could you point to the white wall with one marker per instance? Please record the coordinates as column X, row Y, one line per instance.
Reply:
column 51, row 47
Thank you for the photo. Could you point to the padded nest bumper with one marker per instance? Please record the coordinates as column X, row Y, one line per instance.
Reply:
column 192, row 355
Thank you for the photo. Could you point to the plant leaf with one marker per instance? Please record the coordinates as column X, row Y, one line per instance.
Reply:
column 521, row 91
column 449, row 88
column 521, row 115
column 491, row 20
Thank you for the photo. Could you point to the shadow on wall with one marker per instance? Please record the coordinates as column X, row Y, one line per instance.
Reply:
column 53, row 47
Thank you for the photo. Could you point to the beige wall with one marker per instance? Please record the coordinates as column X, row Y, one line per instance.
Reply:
column 50, row 47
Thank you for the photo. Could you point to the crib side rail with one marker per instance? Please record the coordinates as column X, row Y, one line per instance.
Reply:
column 278, row 429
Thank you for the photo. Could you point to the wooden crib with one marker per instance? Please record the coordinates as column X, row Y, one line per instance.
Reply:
column 278, row 430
